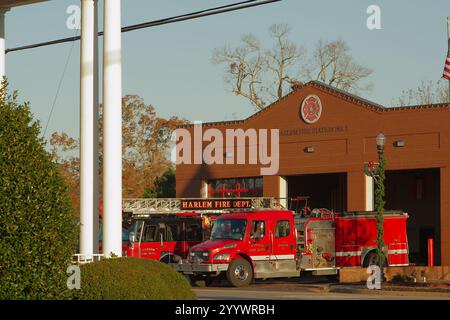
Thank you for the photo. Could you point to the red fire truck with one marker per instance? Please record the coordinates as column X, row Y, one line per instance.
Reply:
column 252, row 244
column 165, row 229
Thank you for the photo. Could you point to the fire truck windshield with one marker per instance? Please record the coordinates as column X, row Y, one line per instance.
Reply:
column 230, row 229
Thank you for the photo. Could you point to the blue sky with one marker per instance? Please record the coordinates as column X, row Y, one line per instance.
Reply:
column 170, row 66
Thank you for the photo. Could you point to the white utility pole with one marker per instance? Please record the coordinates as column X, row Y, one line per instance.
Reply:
column 112, row 129
column 89, row 128
column 2, row 43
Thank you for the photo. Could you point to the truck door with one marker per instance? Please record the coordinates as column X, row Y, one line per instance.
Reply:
column 135, row 238
column 259, row 242
column 284, row 240
column 174, row 237
column 150, row 244
column 168, row 235
column 283, row 258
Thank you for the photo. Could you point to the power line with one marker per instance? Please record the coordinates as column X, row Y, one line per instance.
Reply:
column 179, row 18
column 59, row 86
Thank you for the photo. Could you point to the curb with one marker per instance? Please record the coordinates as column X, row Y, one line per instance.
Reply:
column 395, row 291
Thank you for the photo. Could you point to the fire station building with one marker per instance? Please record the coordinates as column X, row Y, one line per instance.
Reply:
column 325, row 138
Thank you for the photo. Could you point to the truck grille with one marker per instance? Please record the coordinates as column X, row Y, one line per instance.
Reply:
column 199, row 256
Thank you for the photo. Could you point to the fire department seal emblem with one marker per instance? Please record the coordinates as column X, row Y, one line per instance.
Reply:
column 311, row 109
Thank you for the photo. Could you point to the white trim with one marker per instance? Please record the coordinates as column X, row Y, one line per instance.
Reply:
column 369, row 198
column 204, row 189
column 274, row 257
column 332, row 268
column 398, row 251
column 283, row 193
column 398, row 265
column 260, row 258
column 348, row 253
column 284, row 257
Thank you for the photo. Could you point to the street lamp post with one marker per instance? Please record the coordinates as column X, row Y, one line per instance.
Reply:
column 377, row 172
column 379, row 198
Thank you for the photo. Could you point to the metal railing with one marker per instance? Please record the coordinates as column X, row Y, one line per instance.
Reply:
column 82, row 258
column 173, row 205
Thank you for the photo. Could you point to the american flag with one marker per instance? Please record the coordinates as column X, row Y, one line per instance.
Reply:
column 446, row 73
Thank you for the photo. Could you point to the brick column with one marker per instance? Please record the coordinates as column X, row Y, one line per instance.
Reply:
column 271, row 186
column 356, row 191
column 445, row 216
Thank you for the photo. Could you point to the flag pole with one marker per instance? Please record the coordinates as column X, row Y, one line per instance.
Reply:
column 448, row 38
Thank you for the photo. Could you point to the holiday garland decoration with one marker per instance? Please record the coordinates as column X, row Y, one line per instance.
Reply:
column 378, row 174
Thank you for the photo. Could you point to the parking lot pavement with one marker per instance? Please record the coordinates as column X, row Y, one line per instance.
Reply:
column 265, row 294
column 306, row 289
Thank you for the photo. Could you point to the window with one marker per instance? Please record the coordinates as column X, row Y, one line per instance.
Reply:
column 258, row 230
column 193, row 232
column 230, row 229
column 135, row 228
column 149, row 234
column 173, row 232
column 235, row 188
column 283, row 229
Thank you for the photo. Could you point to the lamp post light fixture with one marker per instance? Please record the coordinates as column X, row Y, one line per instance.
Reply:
column 381, row 141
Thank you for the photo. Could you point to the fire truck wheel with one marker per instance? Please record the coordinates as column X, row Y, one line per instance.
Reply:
column 240, row 273
column 371, row 259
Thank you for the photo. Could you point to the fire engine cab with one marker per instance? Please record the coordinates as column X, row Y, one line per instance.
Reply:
column 269, row 243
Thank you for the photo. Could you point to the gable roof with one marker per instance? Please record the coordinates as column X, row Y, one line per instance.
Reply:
column 333, row 91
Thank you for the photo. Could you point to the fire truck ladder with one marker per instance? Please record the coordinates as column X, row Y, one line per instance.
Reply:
column 150, row 206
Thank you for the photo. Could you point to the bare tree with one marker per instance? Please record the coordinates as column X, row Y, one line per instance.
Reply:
column 333, row 64
column 263, row 76
column 282, row 58
column 245, row 68
column 426, row 93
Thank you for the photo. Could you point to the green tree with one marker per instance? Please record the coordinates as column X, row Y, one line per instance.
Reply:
column 37, row 229
column 164, row 186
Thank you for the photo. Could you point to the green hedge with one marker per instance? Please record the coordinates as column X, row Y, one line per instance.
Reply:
column 37, row 228
column 132, row 279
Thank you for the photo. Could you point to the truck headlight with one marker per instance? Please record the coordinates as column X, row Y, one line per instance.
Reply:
column 222, row 257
